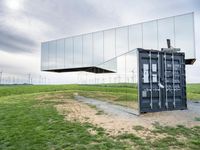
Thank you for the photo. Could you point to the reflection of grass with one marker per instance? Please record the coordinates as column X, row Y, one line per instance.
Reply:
column 129, row 100
column 122, row 94
column 127, row 85
column 110, row 96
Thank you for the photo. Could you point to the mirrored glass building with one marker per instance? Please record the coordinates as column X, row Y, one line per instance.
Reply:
column 77, row 53
column 110, row 60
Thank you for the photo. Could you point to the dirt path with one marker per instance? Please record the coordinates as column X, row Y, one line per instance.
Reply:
column 111, row 109
column 118, row 119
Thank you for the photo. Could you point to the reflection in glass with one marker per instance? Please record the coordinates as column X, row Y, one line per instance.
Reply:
column 43, row 56
column 87, row 50
column 46, row 56
column 123, row 79
column 69, row 52
column 135, row 36
column 60, row 53
column 109, row 44
column 150, row 39
column 131, row 67
column 184, row 33
column 78, row 53
column 95, row 48
column 98, row 52
column 121, row 40
column 165, row 31
column 121, row 68
column 52, row 55
column 110, row 65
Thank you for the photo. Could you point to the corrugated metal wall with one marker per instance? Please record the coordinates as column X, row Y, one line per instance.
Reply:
column 162, row 83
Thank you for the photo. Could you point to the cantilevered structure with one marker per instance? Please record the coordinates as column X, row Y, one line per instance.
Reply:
column 84, row 52
column 133, row 56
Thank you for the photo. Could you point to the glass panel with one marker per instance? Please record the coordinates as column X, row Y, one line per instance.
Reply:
column 165, row 31
column 52, row 55
column 184, row 33
column 135, row 36
column 119, row 87
column 60, row 53
column 42, row 55
column 121, row 68
column 132, row 67
column 109, row 44
column 150, row 39
column 98, row 48
column 69, row 53
column 121, row 40
column 87, row 50
column 132, row 80
column 46, row 55
column 78, row 53
column 111, row 65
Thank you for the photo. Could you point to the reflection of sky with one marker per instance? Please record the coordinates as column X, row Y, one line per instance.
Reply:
column 179, row 29
column 123, row 66
column 24, row 24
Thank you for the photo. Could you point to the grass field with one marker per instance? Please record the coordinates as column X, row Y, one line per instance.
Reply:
column 27, row 122
column 193, row 91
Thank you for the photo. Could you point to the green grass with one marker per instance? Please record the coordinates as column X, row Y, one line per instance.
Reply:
column 193, row 91
column 120, row 92
column 192, row 136
column 27, row 122
column 25, row 89
column 123, row 91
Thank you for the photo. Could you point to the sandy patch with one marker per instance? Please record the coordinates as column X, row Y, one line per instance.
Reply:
column 73, row 110
column 114, row 125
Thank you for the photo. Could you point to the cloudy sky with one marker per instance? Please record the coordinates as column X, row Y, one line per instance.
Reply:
column 24, row 24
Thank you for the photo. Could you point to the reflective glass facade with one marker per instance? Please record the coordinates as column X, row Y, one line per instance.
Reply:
column 98, row 47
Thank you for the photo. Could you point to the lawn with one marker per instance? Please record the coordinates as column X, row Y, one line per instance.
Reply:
column 193, row 92
column 30, row 121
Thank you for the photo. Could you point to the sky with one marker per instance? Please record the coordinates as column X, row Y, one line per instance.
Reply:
column 24, row 24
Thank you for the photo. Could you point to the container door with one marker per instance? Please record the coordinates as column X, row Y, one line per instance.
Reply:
column 149, row 81
column 161, row 81
column 174, row 77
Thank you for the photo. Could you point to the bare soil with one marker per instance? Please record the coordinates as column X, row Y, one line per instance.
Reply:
column 76, row 111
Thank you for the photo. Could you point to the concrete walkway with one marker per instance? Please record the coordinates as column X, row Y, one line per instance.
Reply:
column 117, row 110
column 194, row 107
column 109, row 108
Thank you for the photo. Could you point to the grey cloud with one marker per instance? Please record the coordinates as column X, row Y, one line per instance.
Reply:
column 65, row 17
column 15, row 42
column 69, row 16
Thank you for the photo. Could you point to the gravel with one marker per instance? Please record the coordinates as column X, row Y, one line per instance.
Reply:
column 109, row 108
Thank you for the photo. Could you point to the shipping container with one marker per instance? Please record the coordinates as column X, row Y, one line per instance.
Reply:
column 162, row 84
column 151, row 80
